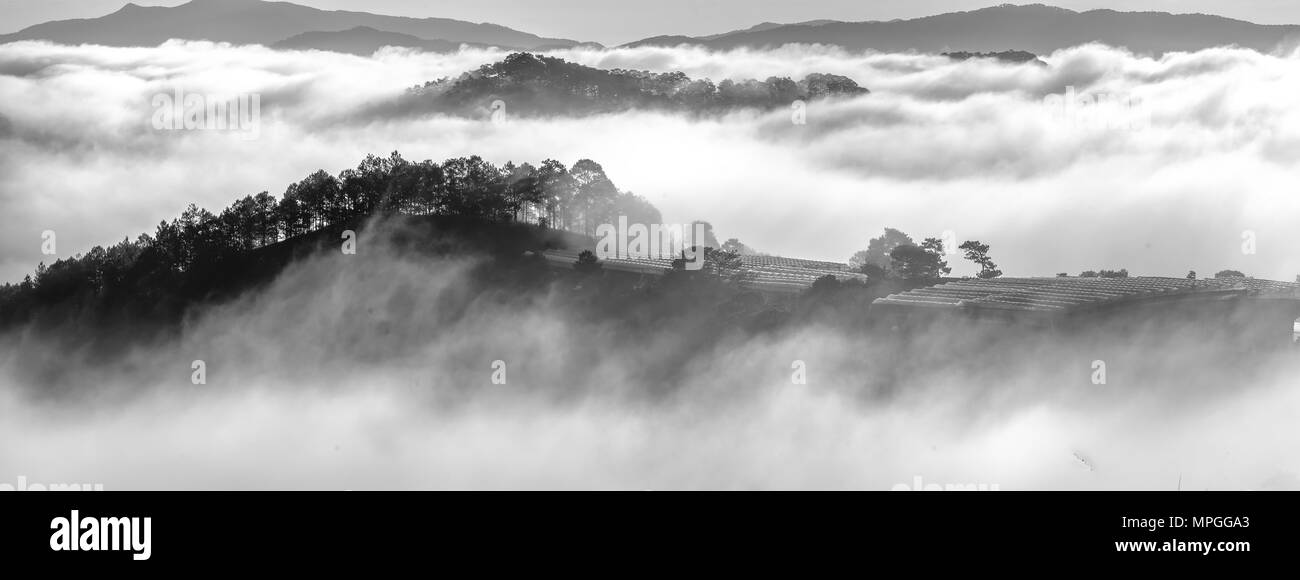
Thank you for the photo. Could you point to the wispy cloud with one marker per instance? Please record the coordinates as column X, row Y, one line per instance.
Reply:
column 939, row 145
column 374, row 372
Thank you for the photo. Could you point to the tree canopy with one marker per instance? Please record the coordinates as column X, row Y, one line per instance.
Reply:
column 533, row 84
column 919, row 263
column 182, row 256
column 978, row 252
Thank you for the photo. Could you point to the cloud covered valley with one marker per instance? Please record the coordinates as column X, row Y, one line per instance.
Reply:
column 372, row 373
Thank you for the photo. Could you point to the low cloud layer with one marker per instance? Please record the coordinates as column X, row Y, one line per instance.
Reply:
column 374, row 371
column 1166, row 184
column 347, row 375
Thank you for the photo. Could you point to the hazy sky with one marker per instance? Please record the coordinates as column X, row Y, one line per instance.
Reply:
column 618, row 22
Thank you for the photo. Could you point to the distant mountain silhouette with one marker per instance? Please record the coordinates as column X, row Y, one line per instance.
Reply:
column 532, row 85
column 257, row 22
column 364, row 41
column 1013, row 56
column 762, row 27
column 1036, row 28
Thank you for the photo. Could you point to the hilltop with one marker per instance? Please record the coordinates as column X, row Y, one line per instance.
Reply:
column 265, row 23
column 533, row 84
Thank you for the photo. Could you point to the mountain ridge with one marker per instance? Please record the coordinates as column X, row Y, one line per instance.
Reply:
column 1036, row 28
column 259, row 22
column 364, row 41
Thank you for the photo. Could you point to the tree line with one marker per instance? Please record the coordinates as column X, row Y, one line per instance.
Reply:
column 894, row 255
column 532, row 84
column 181, row 255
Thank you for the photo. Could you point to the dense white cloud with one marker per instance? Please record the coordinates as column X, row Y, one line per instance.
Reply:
column 939, row 145
column 969, row 147
column 352, row 372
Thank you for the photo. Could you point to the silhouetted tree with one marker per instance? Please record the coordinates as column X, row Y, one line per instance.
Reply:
column 594, row 196
column 879, row 249
column 558, row 189
column 919, row 263
column 979, row 253
column 587, row 263
column 735, row 246
column 187, row 257
column 726, row 265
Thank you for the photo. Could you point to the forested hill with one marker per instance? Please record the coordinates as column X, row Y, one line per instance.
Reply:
column 535, row 85
column 202, row 256
column 1009, row 56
